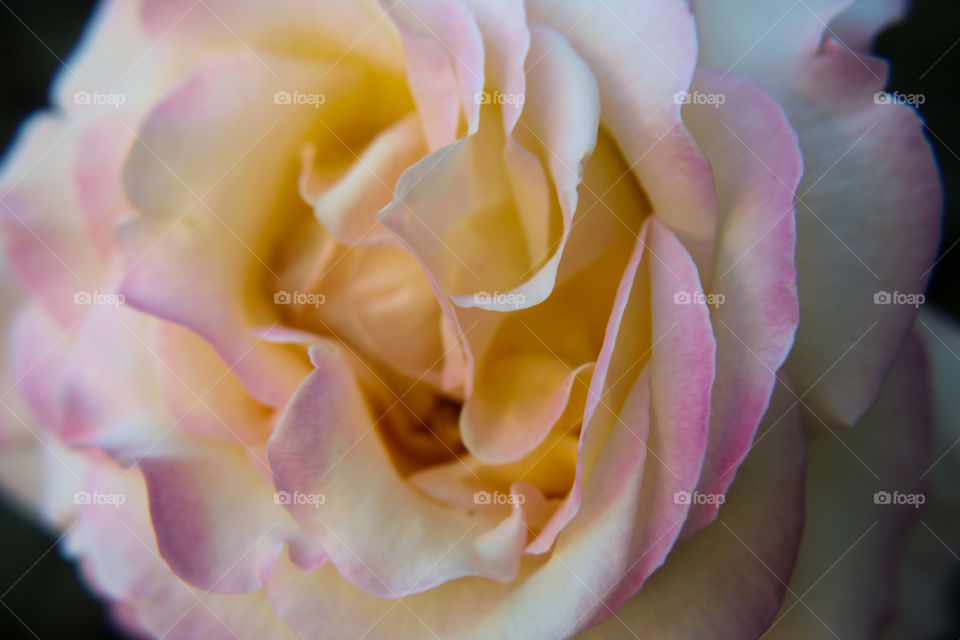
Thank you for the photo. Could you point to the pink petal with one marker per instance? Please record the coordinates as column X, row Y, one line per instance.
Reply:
column 673, row 343
column 354, row 30
column 217, row 521
column 732, row 574
column 757, row 164
column 640, row 109
column 118, row 555
column 444, row 54
column 189, row 256
column 859, row 203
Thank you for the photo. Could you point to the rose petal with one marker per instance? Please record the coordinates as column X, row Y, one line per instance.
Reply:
column 444, row 54
column 556, row 594
column 648, row 329
column 217, row 521
column 118, row 555
column 326, row 444
column 757, row 166
column 851, row 202
column 640, row 105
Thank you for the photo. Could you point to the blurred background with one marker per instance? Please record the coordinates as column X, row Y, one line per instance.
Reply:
column 40, row 589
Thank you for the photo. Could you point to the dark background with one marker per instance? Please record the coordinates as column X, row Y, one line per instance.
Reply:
column 924, row 51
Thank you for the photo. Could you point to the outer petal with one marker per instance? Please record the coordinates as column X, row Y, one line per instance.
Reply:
column 118, row 555
column 734, row 572
column 218, row 525
column 45, row 233
column 350, row 29
column 757, row 166
column 846, row 572
column 190, row 257
column 860, row 203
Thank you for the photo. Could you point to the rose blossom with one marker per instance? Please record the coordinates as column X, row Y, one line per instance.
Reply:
column 464, row 319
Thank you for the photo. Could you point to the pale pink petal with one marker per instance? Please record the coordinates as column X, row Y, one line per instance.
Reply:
column 201, row 392
column 728, row 580
column 563, row 131
column 351, row 29
column 640, row 106
column 868, row 223
column 115, row 546
column 757, row 165
column 444, row 55
column 218, row 523
column 39, row 352
column 44, row 231
column 765, row 42
column 673, row 343
column 202, row 232
column 327, row 444
column 868, row 218
column 506, row 43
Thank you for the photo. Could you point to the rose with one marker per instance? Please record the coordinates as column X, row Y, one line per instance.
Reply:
column 582, row 391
